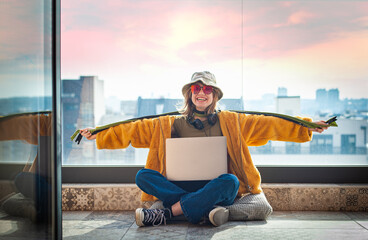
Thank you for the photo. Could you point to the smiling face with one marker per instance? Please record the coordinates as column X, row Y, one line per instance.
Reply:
column 201, row 100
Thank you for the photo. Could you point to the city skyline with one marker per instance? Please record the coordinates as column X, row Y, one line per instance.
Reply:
column 80, row 105
column 152, row 95
column 275, row 93
column 279, row 91
column 325, row 101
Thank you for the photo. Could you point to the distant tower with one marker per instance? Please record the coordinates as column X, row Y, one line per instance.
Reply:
column 289, row 105
column 282, row 92
column 83, row 106
column 321, row 98
column 333, row 100
column 285, row 104
column 83, row 99
column 333, row 96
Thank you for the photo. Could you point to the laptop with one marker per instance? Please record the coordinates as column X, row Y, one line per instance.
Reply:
column 198, row 158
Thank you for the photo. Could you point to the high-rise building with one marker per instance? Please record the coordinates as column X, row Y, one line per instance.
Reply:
column 333, row 96
column 321, row 98
column 83, row 106
column 282, row 92
column 329, row 101
column 288, row 105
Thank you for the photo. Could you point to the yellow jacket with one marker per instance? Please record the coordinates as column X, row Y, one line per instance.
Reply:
column 27, row 127
column 241, row 131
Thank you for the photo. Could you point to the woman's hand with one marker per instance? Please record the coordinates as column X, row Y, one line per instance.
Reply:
column 87, row 134
column 319, row 130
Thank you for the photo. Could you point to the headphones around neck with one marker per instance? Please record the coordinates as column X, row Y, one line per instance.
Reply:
column 198, row 124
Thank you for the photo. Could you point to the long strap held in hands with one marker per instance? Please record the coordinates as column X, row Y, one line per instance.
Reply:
column 331, row 122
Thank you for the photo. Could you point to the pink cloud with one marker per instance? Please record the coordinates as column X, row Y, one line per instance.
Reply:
column 21, row 29
column 272, row 30
column 152, row 32
column 299, row 17
column 191, row 32
column 124, row 40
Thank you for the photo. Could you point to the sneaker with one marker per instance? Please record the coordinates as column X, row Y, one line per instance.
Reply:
column 218, row 216
column 151, row 217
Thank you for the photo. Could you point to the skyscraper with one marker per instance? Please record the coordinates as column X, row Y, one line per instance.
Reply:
column 83, row 106
column 321, row 98
column 333, row 96
column 282, row 92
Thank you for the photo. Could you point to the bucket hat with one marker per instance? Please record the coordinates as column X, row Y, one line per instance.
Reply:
column 205, row 78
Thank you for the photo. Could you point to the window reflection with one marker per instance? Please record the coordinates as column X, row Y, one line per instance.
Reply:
column 27, row 165
column 32, row 185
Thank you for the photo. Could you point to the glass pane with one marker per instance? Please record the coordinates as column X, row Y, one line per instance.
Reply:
column 26, row 129
column 124, row 59
column 308, row 58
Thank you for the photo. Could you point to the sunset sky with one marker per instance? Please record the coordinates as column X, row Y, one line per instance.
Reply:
column 151, row 48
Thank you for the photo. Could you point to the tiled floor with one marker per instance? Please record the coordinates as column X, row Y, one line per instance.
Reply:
column 281, row 225
column 119, row 225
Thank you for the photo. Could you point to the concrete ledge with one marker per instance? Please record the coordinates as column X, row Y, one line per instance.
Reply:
column 282, row 197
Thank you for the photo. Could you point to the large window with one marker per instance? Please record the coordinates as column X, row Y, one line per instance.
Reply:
column 124, row 59
column 30, row 166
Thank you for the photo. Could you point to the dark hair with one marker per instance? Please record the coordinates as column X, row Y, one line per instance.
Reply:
column 188, row 106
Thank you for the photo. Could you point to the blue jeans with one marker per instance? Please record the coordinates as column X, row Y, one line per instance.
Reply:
column 220, row 191
column 35, row 187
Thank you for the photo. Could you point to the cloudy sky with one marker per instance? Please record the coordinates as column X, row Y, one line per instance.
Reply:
column 151, row 48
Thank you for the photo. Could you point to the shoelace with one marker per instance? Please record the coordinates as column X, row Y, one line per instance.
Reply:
column 153, row 216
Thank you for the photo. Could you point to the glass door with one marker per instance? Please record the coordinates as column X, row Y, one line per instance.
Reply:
column 30, row 184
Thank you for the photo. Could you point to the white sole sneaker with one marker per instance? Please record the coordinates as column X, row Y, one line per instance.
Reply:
column 139, row 216
column 218, row 216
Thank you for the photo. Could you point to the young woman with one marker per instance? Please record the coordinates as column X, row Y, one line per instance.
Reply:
column 236, row 195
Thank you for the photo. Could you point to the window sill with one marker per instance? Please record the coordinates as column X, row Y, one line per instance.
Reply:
column 282, row 197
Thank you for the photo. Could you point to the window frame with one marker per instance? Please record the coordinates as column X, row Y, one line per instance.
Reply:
column 277, row 174
column 126, row 174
